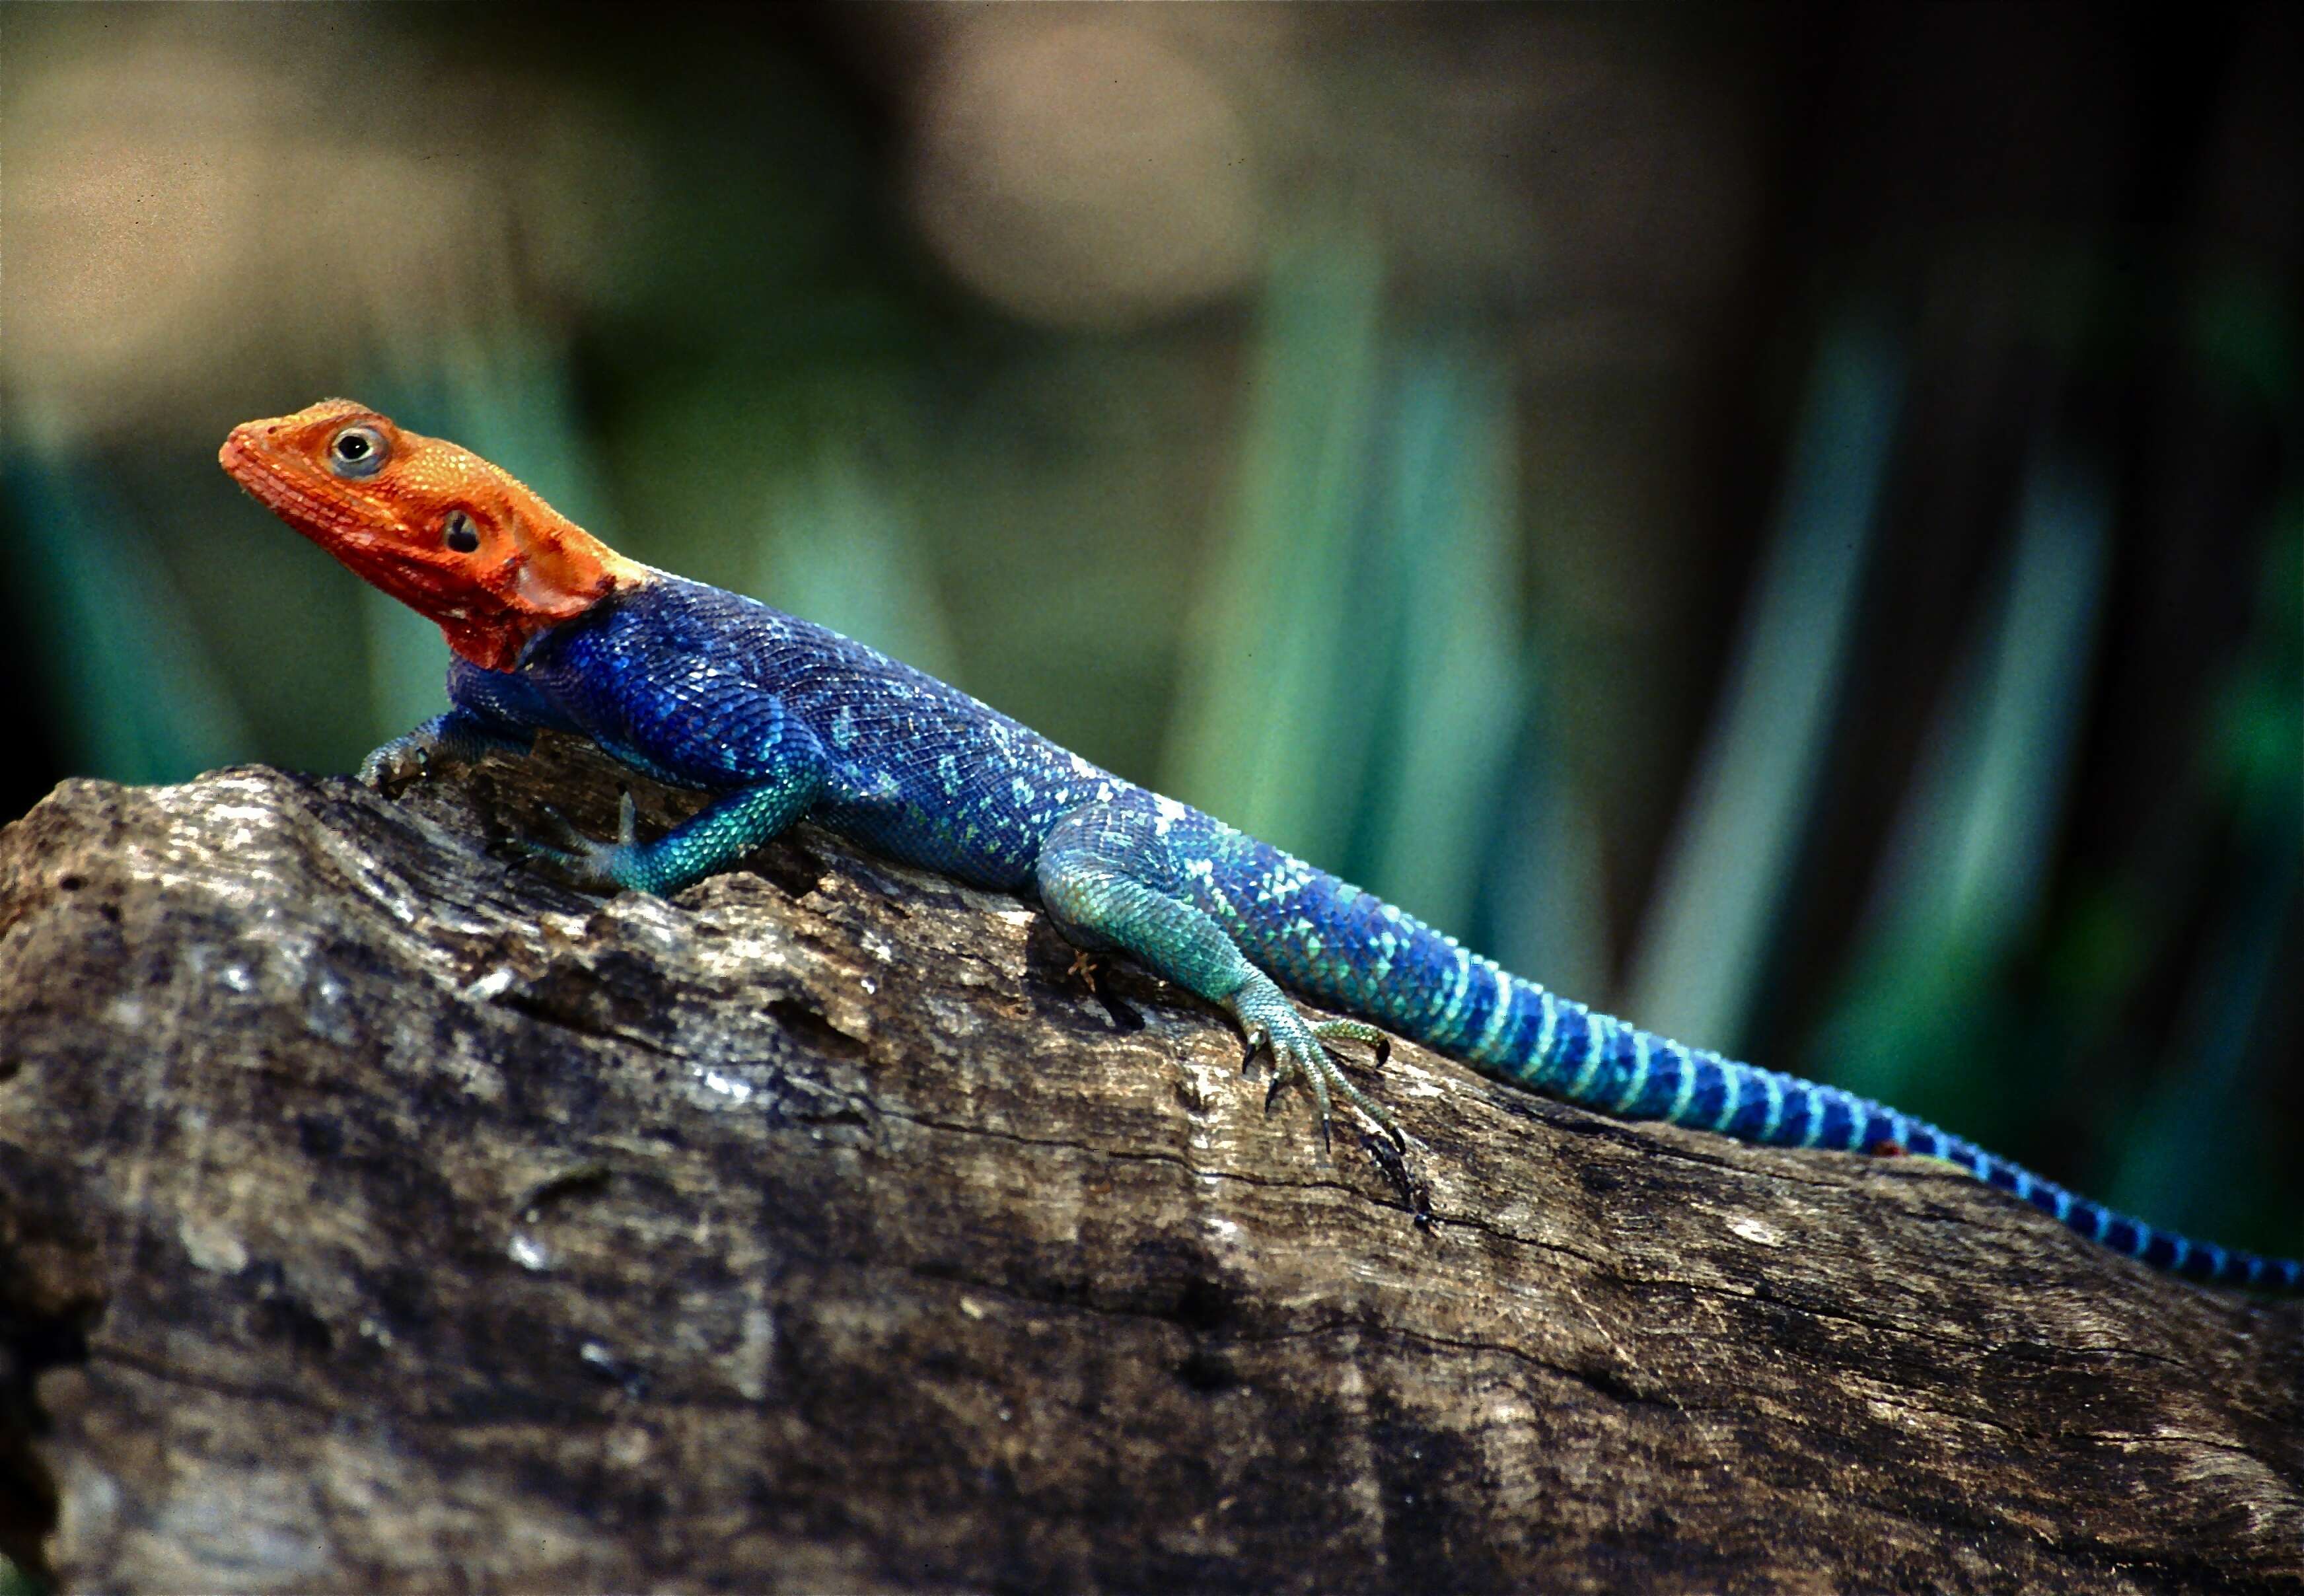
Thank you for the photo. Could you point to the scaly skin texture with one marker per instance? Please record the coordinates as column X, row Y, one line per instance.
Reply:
column 781, row 718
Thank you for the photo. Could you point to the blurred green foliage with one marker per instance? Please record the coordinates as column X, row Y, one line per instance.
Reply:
column 15, row 1582
column 1708, row 937
column 1923, row 1015
column 138, row 698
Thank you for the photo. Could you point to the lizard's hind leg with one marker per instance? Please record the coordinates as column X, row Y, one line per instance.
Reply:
column 1110, row 881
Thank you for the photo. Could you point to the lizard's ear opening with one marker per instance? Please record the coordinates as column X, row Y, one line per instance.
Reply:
column 563, row 571
column 457, row 534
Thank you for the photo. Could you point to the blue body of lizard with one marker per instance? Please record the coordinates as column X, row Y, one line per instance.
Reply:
column 780, row 718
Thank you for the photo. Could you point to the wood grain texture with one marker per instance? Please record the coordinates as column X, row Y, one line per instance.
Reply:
column 375, row 1214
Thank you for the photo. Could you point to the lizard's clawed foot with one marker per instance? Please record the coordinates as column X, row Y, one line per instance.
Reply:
column 588, row 862
column 403, row 760
column 456, row 738
column 1301, row 1056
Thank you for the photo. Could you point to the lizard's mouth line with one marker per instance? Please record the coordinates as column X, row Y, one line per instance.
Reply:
column 263, row 479
column 267, row 484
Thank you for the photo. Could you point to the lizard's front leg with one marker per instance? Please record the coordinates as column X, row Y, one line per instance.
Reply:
column 489, row 712
column 1107, row 878
column 768, row 765
column 704, row 844
column 459, row 737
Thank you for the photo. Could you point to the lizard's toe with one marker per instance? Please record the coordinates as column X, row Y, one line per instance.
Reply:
column 588, row 861
column 1292, row 1063
column 1357, row 1030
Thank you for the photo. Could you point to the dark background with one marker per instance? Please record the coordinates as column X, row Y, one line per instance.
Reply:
column 1782, row 520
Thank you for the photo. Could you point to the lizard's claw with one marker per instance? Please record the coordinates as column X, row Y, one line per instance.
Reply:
column 1357, row 1030
column 456, row 738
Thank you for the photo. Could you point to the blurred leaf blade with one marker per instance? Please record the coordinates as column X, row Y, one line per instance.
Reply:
column 2196, row 1153
column 1965, row 870
column 137, row 697
column 15, row 1582
column 839, row 548
column 1268, row 731
column 1541, row 908
column 1697, row 973
column 1447, row 523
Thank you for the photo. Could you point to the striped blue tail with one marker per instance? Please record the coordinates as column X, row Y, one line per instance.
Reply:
column 1563, row 1050
column 1344, row 946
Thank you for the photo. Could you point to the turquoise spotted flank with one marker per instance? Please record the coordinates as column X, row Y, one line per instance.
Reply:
column 781, row 718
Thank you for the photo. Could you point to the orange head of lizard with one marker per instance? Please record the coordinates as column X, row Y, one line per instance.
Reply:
column 455, row 539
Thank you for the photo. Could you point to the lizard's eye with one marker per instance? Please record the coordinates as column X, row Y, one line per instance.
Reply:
column 357, row 452
column 459, row 533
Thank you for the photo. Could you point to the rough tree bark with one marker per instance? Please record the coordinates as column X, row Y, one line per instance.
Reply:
column 375, row 1214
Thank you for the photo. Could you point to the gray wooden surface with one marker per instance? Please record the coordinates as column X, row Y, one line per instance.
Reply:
column 377, row 1215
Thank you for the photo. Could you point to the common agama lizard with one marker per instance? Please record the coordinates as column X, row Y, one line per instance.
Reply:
column 778, row 718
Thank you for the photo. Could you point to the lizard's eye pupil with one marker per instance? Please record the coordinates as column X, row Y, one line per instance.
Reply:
column 356, row 452
column 461, row 535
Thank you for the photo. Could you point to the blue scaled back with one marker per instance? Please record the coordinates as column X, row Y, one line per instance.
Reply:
column 695, row 686
column 710, row 690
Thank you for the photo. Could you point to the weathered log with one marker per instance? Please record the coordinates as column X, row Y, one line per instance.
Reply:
column 377, row 1213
